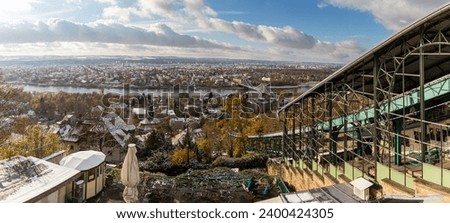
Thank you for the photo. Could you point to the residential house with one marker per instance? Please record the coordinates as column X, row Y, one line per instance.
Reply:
column 115, row 142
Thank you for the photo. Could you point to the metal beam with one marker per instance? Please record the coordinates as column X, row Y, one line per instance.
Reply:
column 398, row 127
column 423, row 126
column 376, row 108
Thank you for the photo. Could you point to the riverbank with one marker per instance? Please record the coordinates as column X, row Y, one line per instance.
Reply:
column 117, row 89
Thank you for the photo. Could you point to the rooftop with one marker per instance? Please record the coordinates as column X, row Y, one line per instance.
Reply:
column 339, row 193
column 83, row 160
column 25, row 179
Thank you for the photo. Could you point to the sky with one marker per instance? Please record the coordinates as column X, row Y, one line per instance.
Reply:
column 331, row 31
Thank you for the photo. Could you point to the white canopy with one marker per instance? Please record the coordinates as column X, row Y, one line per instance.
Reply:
column 130, row 175
column 83, row 160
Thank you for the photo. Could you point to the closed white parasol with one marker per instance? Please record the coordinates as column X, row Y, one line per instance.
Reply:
column 130, row 175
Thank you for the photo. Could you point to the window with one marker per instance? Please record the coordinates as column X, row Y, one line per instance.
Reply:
column 91, row 175
column 438, row 135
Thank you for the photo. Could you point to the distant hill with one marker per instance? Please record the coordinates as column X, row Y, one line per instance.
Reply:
column 89, row 60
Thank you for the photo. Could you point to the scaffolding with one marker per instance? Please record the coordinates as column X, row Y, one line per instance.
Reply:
column 384, row 115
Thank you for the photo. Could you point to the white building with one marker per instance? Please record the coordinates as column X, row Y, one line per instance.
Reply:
column 29, row 179
column 92, row 166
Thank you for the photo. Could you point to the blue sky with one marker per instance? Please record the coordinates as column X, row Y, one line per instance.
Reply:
column 327, row 24
column 289, row 30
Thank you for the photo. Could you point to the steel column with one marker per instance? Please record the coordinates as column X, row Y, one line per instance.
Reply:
column 283, row 139
column 423, row 126
column 375, row 134
column 398, row 128
column 313, row 126
column 293, row 130
column 346, row 103
column 332, row 136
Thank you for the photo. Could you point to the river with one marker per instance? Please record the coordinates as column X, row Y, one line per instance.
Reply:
column 90, row 90
column 155, row 91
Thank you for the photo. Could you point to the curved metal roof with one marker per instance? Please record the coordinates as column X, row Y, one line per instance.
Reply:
column 394, row 46
column 83, row 160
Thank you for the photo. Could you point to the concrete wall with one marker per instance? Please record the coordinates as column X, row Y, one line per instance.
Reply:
column 301, row 179
column 57, row 196
column 298, row 179
column 425, row 188
column 393, row 188
column 55, row 157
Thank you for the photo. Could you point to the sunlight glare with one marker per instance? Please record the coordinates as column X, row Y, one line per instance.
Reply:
column 16, row 6
column 16, row 10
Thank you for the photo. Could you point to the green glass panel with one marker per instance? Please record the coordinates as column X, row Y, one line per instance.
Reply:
column 432, row 173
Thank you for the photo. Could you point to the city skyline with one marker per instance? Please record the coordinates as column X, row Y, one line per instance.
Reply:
column 335, row 31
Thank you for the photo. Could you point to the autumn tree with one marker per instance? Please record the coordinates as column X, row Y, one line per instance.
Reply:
column 36, row 142
column 44, row 106
column 164, row 126
column 233, row 129
column 186, row 150
column 211, row 142
column 256, row 126
column 154, row 141
column 13, row 101
column 231, row 134
column 156, row 146
column 181, row 156
column 205, row 148
column 56, row 105
column 212, row 133
column 20, row 125
column 263, row 124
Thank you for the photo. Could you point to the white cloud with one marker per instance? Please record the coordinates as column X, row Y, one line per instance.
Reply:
column 198, row 9
column 156, row 7
column 287, row 37
column 345, row 49
column 122, row 14
column 16, row 9
column 17, row 6
column 172, row 18
column 76, row 2
column 394, row 15
column 141, row 8
column 114, row 49
column 195, row 12
column 322, row 5
column 67, row 31
column 111, row 2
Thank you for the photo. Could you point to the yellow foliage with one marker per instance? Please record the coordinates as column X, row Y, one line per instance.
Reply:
column 233, row 131
column 206, row 148
column 204, row 145
column 36, row 142
column 180, row 156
